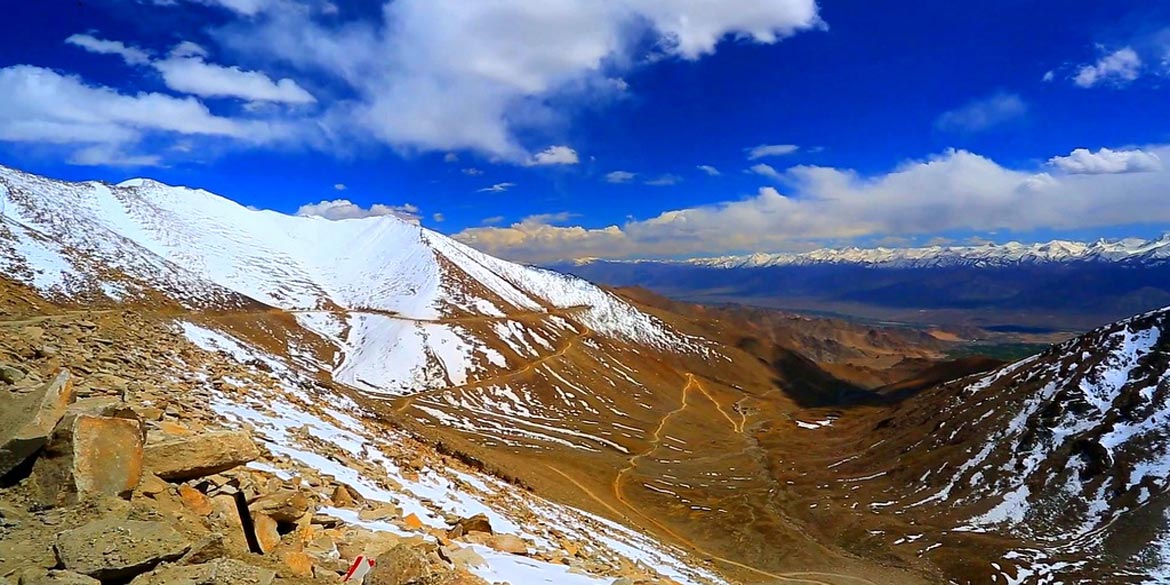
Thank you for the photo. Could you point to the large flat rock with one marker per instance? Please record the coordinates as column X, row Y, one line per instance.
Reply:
column 114, row 549
column 183, row 458
column 27, row 419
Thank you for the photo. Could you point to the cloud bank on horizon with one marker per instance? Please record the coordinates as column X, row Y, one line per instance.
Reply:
column 957, row 190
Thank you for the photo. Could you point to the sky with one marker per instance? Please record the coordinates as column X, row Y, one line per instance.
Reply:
column 542, row 131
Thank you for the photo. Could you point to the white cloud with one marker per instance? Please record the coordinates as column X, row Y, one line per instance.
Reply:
column 185, row 70
column 497, row 188
column 710, row 170
column 191, row 74
column 765, row 170
column 451, row 157
column 340, row 187
column 41, row 105
column 1118, row 68
column 472, row 172
column 555, row 155
column 764, row 150
column 1105, row 161
column 131, row 55
column 493, row 220
column 1049, row 76
column 244, row 7
column 189, row 49
column 109, row 155
column 620, row 177
column 984, row 113
column 955, row 191
column 450, row 74
column 664, row 180
column 346, row 209
column 438, row 217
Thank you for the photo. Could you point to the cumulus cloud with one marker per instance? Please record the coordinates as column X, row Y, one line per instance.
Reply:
column 664, row 180
column 340, row 187
column 131, row 55
column 188, row 73
column 447, row 75
column 185, row 70
column 450, row 75
column 346, row 209
column 1105, row 161
column 41, row 105
column 954, row 191
column 555, row 155
column 497, row 188
column 1118, row 68
column 983, row 113
column 710, row 170
column 766, row 170
column 620, row 177
column 765, row 150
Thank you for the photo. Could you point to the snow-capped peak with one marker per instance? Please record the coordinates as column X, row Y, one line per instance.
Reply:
column 989, row 254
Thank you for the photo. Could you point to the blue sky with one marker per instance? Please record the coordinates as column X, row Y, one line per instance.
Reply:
column 616, row 128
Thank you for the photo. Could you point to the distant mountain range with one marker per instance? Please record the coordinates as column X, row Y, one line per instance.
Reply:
column 1059, row 284
column 1128, row 250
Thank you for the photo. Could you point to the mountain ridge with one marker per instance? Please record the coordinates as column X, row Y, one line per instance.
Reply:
column 1156, row 250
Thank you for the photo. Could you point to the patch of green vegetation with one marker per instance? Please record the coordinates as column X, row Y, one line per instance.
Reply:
column 1008, row 352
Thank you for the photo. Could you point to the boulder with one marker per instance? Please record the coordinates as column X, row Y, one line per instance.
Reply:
column 381, row 512
column 283, row 506
column 45, row 577
column 89, row 456
column 209, row 548
column 343, row 497
column 401, row 565
column 477, row 523
column 11, row 374
column 27, row 420
column 356, row 543
column 297, row 564
column 508, row 543
column 463, row 557
column 195, row 501
column 457, row 577
column 267, row 532
column 112, row 549
column 412, row 521
column 217, row 572
column 226, row 516
column 190, row 457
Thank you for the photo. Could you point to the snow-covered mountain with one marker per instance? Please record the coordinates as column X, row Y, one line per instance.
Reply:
column 408, row 307
column 1067, row 453
column 1009, row 254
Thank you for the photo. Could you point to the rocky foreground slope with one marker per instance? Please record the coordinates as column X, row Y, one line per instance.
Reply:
column 141, row 451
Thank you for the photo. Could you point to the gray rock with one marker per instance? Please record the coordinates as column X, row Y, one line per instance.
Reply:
column 27, row 420
column 401, row 565
column 10, row 374
column 183, row 458
column 217, row 572
column 114, row 549
column 44, row 577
